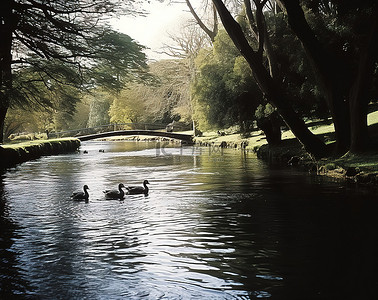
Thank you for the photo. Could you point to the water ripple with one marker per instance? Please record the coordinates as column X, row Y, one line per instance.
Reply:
column 209, row 229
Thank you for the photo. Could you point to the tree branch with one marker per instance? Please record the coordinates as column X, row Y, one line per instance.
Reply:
column 250, row 17
column 315, row 50
column 210, row 33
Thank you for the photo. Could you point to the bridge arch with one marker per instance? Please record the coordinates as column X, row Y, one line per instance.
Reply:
column 178, row 136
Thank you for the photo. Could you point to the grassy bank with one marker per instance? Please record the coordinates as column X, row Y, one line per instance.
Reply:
column 357, row 168
column 13, row 154
column 231, row 140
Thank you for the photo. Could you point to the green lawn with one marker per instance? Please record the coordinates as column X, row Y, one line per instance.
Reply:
column 367, row 162
column 25, row 144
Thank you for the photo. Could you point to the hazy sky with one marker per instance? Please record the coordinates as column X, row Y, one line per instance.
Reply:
column 153, row 30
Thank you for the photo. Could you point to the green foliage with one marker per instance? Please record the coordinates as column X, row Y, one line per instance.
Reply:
column 99, row 103
column 211, row 89
column 18, row 120
column 61, row 49
column 162, row 102
column 264, row 111
column 223, row 91
column 242, row 71
column 169, row 100
column 45, row 84
column 295, row 70
column 119, row 60
column 127, row 106
column 224, row 50
column 80, row 118
column 37, row 95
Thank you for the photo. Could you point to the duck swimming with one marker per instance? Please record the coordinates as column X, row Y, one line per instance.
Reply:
column 115, row 194
column 134, row 190
column 81, row 195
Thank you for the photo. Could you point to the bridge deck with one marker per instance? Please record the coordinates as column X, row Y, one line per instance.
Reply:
column 172, row 135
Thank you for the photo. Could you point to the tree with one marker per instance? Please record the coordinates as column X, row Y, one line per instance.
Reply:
column 128, row 106
column 173, row 90
column 168, row 99
column 223, row 90
column 164, row 101
column 345, row 67
column 99, row 103
column 21, row 120
column 80, row 119
column 346, row 76
column 188, row 43
column 277, row 51
column 62, row 43
column 211, row 33
column 15, row 122
column 273, row 91
column 186, row 47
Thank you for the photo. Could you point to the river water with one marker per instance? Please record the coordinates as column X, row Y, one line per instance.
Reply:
column 215, row 225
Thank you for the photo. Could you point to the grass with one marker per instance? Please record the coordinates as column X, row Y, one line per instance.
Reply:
column 12, row 154
column 367, row 162
column 25, row 144
column 256, row 139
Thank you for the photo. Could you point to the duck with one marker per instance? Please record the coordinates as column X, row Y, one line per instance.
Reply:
column 81, row 195
column 133, row 190
column 115, row 194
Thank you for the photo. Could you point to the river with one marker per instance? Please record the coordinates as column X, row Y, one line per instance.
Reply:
column 215, row 225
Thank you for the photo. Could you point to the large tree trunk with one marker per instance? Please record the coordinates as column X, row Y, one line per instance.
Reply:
column 272, row 129
column 334, row 74
column 359, row 127
column 3, row 113
column 270, row 125
column 340, row 113
column 359, row 93
column 268, row 86
column 311, row 142
column 7, row 23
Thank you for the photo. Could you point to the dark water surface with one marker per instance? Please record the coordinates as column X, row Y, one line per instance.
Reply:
column 214, row 226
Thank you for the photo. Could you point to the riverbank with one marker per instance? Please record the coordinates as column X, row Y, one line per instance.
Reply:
column 13, row 154
column 353, row 168
column 360, row 169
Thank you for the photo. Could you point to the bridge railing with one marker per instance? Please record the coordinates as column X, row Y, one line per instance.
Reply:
column 108, row 128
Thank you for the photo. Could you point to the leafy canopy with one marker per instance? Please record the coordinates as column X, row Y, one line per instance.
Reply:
column 60, row 43
column 224, row 93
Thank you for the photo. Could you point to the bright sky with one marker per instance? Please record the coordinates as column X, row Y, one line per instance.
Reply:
column 153, row 30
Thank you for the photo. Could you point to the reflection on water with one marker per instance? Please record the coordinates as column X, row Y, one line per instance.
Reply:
column 216, row 225
column 11, row 281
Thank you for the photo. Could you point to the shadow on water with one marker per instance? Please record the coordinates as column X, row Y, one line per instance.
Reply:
column 301, row 238
column 12, row 285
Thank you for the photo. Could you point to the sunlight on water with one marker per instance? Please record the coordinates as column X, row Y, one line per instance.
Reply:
column 215, row 225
